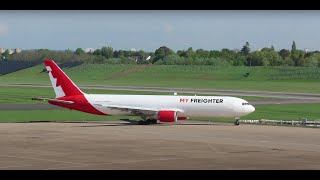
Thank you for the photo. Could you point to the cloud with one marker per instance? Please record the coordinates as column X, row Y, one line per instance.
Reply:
column 3, row 29
column 168, row 28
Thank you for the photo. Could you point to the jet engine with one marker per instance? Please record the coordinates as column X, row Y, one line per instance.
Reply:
column 167, row 116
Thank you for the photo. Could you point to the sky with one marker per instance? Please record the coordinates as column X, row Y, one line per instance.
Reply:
column 150, row 29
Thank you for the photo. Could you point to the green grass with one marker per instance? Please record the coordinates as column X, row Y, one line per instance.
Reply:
column 276, row 112
column 23, row 95
column 285, row 79
column 85, row 72
column 280, row 112
column 286, row 112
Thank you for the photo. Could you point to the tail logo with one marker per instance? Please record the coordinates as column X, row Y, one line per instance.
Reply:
column 57, row 88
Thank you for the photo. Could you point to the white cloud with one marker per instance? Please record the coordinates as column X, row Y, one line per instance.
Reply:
column 3, row 28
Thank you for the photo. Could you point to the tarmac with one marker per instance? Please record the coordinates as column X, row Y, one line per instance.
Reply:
column 188, row 145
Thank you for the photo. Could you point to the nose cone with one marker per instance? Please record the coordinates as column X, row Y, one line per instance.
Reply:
column 250, row 109
column 247, row 110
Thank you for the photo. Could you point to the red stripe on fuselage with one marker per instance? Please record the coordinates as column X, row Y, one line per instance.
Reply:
column 80, row 104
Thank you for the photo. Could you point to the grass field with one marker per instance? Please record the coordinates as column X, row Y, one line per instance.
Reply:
column 284, row 79
column 23, row 95
column 280, row 112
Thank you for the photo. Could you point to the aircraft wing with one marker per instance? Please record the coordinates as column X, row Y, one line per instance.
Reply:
column 54, row 100
column 134, row 109
column 127, row 108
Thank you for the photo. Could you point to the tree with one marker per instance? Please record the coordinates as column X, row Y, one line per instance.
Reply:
column 202, row 53
column 5, row 54
column 162, row 52
column 293, row 48
column 264, row 58
column 273, row 58
column 308, row 54
column 140, row 53
column 182, row 53
column 214, row 53
column 227, row 55
column 288, row 61
column 100, row 59
column 245, row 49
column 312, row 61
column 272, row 47
column 79, row 51
column 118, row 54
column 298, row 57
column 172, row 59
column 97, row 52
column 240, row 61
column 107, row 52
column 284, row 53
column 189, row 52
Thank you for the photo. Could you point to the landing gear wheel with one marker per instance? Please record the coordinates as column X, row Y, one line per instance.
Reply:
column 151, row 121
column 147, row 122
column 237, row 121
column 141, row 122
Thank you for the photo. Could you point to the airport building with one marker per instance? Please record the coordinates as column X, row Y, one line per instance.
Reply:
column 11, row 51
column 89, row 50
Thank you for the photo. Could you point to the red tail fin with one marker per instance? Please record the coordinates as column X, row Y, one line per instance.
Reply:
column 61, row 83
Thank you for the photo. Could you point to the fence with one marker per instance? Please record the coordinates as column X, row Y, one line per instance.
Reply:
column 303, row 122
column 9, row 66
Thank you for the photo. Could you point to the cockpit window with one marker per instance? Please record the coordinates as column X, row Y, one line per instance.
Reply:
column 245, row 104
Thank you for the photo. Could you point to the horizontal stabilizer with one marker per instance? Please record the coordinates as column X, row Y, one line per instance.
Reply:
column 54, row 100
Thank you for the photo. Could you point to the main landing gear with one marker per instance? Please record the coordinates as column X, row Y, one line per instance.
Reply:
column 147, row 122
column 237, row 121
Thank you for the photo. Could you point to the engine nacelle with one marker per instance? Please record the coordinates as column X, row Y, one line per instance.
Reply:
column 167, row 116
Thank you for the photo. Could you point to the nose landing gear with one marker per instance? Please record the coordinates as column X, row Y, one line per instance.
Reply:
column 237, row 122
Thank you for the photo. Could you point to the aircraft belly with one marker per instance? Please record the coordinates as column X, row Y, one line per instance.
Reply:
column 113, row 112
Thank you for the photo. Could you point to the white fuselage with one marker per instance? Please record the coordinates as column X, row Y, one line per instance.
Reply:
column 200, row 106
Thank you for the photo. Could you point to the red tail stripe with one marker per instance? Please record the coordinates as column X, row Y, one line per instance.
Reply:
column 69, row 88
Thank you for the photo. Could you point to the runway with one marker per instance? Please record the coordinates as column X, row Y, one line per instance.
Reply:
column 189, row 90
column 192, row 145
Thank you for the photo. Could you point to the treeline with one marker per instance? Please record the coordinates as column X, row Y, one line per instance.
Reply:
column 164, row 55
column 103, row 55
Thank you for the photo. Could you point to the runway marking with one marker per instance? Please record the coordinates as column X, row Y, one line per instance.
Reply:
column 211, row 148
column 15, row 166
column 39, row 159
column 118, row 162
column 8, row 162
column 151, row 132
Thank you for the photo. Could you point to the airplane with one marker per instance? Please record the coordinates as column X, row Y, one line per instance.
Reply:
column 152, row 109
